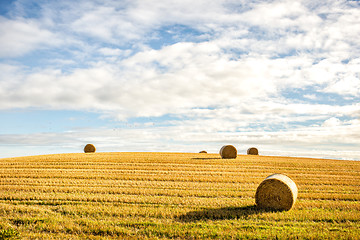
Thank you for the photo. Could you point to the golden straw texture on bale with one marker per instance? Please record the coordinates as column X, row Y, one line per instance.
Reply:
column 252, row 151
column 228, row 151
column 276, row 192
column 89, row 148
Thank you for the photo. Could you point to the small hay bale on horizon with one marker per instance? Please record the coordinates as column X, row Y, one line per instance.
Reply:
column 89, row 148
column 203, row 151
column 277, row 192
column 228, row 151
column 253, row 151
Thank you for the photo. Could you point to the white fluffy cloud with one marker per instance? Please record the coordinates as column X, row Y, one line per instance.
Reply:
column 22, row 36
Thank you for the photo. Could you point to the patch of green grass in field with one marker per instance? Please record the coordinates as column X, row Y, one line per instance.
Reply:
column 8, row 232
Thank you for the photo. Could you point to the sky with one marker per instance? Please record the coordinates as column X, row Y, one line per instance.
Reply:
column 180, row 76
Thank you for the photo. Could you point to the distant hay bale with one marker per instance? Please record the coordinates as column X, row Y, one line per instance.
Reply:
column 203, row 151
column 89, row 148
column 252, row 151
column 276, row 192
column 228, row 151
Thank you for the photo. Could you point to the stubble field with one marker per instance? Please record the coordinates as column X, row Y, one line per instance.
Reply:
column 173, row 196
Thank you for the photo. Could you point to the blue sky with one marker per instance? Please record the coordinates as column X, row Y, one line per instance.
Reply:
column 180, row 76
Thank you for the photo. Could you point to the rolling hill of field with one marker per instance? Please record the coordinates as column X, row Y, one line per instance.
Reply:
column 173, row 196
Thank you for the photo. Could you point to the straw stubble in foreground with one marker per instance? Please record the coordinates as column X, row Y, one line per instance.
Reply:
column 172, row 195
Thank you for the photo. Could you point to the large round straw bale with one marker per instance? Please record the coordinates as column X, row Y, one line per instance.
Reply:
column 89, row 148
column 252, row 151
column 276, row 192
column 228, row 151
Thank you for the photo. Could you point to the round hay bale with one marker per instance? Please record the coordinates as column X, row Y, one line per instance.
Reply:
column 228, row 151
column 89, row 148
column 203, row 151
column 276, row 192
column 252, row 151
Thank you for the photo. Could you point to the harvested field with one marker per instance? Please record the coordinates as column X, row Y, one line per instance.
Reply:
column 173, row 195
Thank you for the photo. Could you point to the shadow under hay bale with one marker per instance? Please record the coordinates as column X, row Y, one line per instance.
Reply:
column 221, row 213
column 252, row 151
column 89, row 148
column 228, row 151
column 276, row 192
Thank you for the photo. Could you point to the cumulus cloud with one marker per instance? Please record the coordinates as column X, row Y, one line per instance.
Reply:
column 114, row 51
column 153, row 82
column 21, row 36
column 332, row 122
column 345, row 79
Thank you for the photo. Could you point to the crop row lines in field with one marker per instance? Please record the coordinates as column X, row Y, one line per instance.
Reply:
column 336, row 181
column 303, row 204
column 299, row 177
column 43, row 183
column 117, row 188
column 238, row 171
column 127, row 199
column 166, row 195
column 126, row 172
column 123, row 183
column 100, row 179
column 112, row 188
column 180, row 167
column 164, row 178
column 134, row 191
column 209, row 172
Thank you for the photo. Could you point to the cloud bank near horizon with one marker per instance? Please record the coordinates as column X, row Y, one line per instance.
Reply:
column 282, row 75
